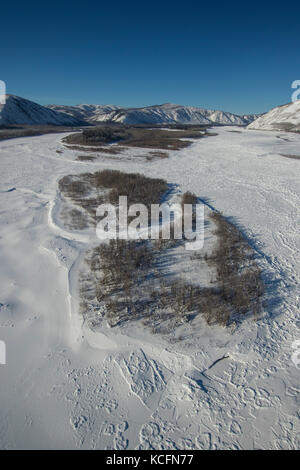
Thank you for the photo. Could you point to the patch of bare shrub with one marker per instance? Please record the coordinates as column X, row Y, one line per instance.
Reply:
column 188, row 198
column 138, row 188
column 86, row 158
column 89, row 190
column 134, row 136
column 238, row 275
column 129, row 282
column 131, row 285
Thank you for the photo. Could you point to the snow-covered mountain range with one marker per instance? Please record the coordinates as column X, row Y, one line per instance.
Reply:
column 282, row 118
column 157, row 114
column 18, row 110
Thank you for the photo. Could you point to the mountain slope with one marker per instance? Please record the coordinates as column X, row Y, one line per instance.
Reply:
column 85, row 112
column 18, row 110
column 158, row 114
column 284, row 118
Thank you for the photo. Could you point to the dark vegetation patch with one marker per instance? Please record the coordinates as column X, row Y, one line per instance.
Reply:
column 130, row 286
column 135, row 137
column 89, row 190
column 98, row 136
column 81, row 190
column 237, row 273
column 293, row 157
column 116, row 150
column 185, row 127
column 188, row 198
column 138, row 188
column 126, row 279
column 154, row 155
column 111, row 150
column 86, row 158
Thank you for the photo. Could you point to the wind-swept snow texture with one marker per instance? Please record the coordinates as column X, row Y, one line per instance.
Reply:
column 18, row 110
column 159, row 114
column 65, row 386
column 284, row 118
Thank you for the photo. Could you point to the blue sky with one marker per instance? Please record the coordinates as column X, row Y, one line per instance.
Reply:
column 236, row 56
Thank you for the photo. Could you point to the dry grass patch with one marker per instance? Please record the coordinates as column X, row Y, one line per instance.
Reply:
column 89, row 190
column 130, row 284
column 138, row 188
column 134, row 137
column 238, row 274
column 127, row 280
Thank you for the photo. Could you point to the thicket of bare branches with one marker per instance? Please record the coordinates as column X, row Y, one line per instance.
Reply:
column 133, row 288
column 238, row 274
column 138, row 188
column 128, row 279
column 89, row 190
column 134, row 136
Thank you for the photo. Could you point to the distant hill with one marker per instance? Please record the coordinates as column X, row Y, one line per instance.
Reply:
column 86, row 112
column 281, row 118
column 18, row 110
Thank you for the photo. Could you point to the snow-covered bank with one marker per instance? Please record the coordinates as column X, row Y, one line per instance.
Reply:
column 64, row 387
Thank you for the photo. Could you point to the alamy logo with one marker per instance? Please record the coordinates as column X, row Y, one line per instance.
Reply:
column 296, row 94
column 2, row 353
column 2, row 92
column 186, row 221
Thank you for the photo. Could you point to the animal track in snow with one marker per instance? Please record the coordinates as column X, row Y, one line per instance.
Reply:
column 144, row 377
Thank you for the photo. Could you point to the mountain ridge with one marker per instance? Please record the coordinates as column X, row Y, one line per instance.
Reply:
column 18, row 110
column 285, row 117
column 166, row 113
